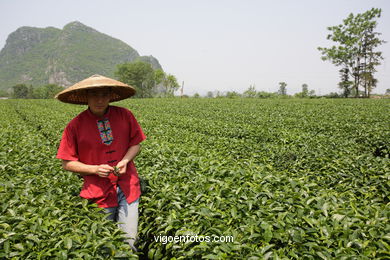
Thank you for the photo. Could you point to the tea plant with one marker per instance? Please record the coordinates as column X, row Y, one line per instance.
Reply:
column 298, row 179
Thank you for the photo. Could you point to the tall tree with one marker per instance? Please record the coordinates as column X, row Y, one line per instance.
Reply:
column 250, row 92
column 355, row 51
column 20, row 91
column 345, row 84
column 304, row 93
column 305, row 90
column 30, row 92
column 138, row 74
column 171, row 84
column 52, row 89
column 282, row 88
column 159, row 76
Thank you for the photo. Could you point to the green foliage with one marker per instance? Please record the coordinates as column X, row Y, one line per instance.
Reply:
column 168, row 81
column 305, row 92
column 333, row 95
column 287, row 178
column 20, row 91
column 232, row 94
column 47, row 91
column 140, row 75
column 282, row 88
column 159, row 76
column 264, row 94
column 355, row 51
column 171, row 85
column 4, row 93
column 250, row 92
column 43, row 92
column 210, row 94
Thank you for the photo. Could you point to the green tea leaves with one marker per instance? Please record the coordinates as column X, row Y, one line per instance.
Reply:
column 287, row 179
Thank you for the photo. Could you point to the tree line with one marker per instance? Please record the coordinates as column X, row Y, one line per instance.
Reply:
column 147, row 82
column 43, row 92
column 251, row 92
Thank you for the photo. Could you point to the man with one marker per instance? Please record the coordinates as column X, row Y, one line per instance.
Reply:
column 100, row 145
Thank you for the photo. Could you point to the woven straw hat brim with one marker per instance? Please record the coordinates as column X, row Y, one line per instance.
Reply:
column 77, row 93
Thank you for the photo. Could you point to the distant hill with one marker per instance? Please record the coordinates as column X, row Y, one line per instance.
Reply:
column 40, row 56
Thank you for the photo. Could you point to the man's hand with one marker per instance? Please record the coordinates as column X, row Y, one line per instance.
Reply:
column 122, row 165
column 103, row 170
column 129, row 156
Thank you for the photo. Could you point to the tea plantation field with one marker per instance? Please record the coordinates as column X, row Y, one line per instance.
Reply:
column 288, row 179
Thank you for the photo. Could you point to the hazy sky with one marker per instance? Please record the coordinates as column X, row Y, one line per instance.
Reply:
column 215, row 44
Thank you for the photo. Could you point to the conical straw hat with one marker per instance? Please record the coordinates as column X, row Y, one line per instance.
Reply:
column 76, row 94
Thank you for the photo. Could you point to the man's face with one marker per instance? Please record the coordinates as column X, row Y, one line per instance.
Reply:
column 98, row 100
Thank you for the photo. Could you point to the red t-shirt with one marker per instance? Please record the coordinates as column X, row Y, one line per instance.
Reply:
column 103, row 140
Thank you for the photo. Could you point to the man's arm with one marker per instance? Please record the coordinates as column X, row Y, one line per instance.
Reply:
column 102, row 170
column 129, row 156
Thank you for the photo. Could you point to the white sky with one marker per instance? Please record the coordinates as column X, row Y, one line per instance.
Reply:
column 215, row 44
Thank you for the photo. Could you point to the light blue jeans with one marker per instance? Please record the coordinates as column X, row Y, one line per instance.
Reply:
column 127, row 217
